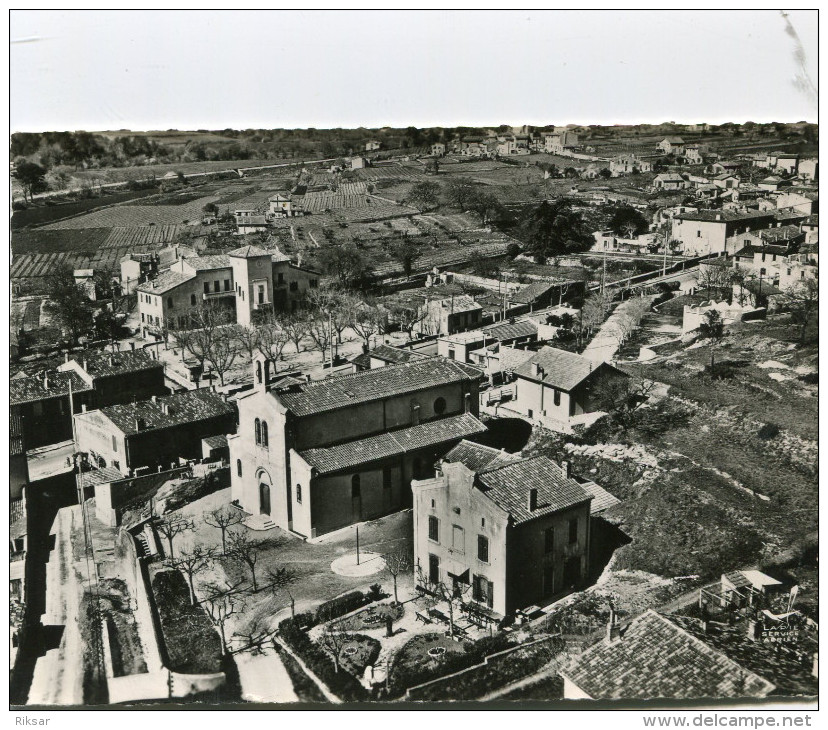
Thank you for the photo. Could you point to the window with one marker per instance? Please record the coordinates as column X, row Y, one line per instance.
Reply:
column 433, row 569
column 698, row 234
column 432, row 504
column 261, row 293
column 483, row 548
column 483, row 590
column 281, row 279
column 530, row 413
column 206, row 287
column 264, row 434
column 170, row 303
column 762, row 271
column 433, row 529
column 238, row 467
column 114, row 444
column 258, row 427
column 227, row 285
column 556, row 396
column 216, row 285
column 458, row 539
column 451, row 354
column 157, row 322
column 258, row 372
column 440, row 406
column 573, row 530
column 549, row 539
column 142, row 314
column 294, row 286
column 482, row 521
column 356, row 486
column 299, row 493
column 193, row 299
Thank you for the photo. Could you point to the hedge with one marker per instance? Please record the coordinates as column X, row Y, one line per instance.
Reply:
column 341, row 683
column 193, row 646
column 341, row 605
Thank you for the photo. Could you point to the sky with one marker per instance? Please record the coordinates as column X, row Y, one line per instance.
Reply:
column 144, row 70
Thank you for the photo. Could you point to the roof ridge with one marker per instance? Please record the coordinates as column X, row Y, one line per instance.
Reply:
column 521, row 460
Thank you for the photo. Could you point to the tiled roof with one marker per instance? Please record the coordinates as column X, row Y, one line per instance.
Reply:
column 559, row 368
column 669, row 177
column 657, row 659
column 673, row 140
column 99, row 364
column 164, row 282
column 187, row 407
column 508, row 487
column 530, row 293
column 750, row 251
column 395, row 443
column 511, row 358
column 722, row 216
column 462, row 303
column 601, row 498
column 208, row 263
column 32, row 387
column 216, row 442
column 812, row 220
column 246, row 252
column 347, row 390
column 98, row 476
column 396, row 354
column 764, row 288
column 779, row 664
column 478, row 457
column 783, row 233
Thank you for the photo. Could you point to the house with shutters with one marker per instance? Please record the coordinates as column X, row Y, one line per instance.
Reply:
column 312, row 457
column 502, row 531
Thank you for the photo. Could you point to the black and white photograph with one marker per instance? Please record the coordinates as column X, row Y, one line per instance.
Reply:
column 414, row 360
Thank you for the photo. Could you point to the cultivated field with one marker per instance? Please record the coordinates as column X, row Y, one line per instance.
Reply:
column 138, row 215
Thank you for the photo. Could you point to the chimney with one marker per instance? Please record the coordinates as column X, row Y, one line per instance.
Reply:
column 140, row 424
column 132, row 345
column 536, row 369
column 533, row 499
column 613, row 629
column 165, row 409
column 46, row 380
column 83, row 407
column 566, row 472
column 111, row 360
column 84, row 362
column 718, row 216
column 66, row 356
column 154, row 399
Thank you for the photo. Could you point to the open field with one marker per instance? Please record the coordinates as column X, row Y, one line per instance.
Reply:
column 138, row 215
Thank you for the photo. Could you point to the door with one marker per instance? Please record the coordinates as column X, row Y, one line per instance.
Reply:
column 356, row 498
column 264, row 499
column 572, row 572
column 289, row 495
column 433, row 569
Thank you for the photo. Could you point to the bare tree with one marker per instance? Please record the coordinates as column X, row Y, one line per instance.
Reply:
column 171, row 526
column 408, row 317
column 248, row 339
column 320, row 330
column 368, row 320
column 280, row 580
column 440, row 592
column 295, row 326
column 334, row 637
column 247, row 552
column 272, row 339
column 396, row 563
column 337, row 306
column 222, row 352
column 220, row 603
column 712, row 329
column 192, row 562
column 223, row 518
column 716, row 280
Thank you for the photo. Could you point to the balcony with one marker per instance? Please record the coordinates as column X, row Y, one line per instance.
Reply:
column 207, row 296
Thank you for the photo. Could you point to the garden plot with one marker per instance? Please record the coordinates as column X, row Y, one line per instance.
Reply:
column 390, row 172
column 137, row 215
column 123, row 236
column 39, row 240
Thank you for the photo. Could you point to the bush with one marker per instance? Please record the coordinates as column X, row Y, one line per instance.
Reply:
column 768, row 431
column 193, row 646
column 341, row 605
column 512, row 250
column 809, row 378
column 343, row 684
column 375, row 592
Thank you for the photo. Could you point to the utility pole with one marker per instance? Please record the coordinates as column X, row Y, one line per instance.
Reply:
column 357, row 543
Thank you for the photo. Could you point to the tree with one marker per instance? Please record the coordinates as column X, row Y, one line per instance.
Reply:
column 248, row 339
column 595, row 309
column 460, row 192
column 605, row 173
column 553, row 229
column 279, row 580
column 295, row 326
column 255, row 636
column 247, row 552
column 487, row 206
column 404, row 252
column 223, row 518
column 345, row 263
column 483, row 265
column 628, row 221
column 368, row 320
column 106, row 324
column 320, row 330
column 803, row 301
column 220, row 604
column 628, row 316
column 396, row 563
column 334, row 637
column 620, row 397
column 68, row 303
column 716, row 280
column 171, row 527
column 712, row 329
column 272, row 338
column 192, row 562
column 407, row 317
column 424, row 195
column 31, row 177
column 222, row 351
column 440, row 592
column 339, row 305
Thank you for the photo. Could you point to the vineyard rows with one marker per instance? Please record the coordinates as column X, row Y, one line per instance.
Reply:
column 137, row 215
column 43, row 264
column 121, row 236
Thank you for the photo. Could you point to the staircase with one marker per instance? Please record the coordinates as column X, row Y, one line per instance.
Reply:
column 259, row 522
column 143, row 545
